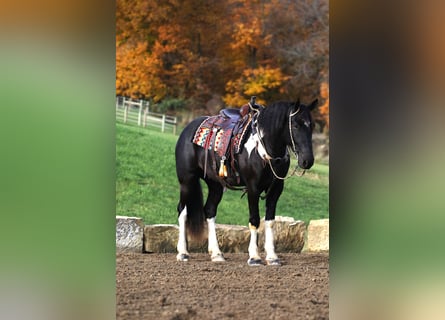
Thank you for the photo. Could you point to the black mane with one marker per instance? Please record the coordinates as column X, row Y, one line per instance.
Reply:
column 273, row 117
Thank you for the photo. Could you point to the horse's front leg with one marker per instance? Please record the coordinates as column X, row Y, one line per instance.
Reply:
column 271, row 257
column 273, row 195
column 254, row 223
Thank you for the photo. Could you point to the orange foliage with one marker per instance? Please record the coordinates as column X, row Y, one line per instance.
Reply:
column 324, row 109
column 253, row 82
column 137, row 73
column 249, row 34
column 193, row 51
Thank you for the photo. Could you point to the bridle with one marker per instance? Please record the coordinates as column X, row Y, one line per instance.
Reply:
column 268, row 158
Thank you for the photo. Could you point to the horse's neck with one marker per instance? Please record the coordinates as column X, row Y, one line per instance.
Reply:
column 275, row 148
column 273, row 142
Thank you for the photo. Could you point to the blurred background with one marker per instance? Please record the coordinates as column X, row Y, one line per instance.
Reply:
column 190, row 58
column 57, row 163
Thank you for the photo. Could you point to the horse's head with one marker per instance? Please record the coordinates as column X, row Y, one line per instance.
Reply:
column 300, row 127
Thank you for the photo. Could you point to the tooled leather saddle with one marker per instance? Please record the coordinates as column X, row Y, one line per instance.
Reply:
column 223, row 135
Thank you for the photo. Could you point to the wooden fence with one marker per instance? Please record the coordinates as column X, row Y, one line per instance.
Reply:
column 137, row 112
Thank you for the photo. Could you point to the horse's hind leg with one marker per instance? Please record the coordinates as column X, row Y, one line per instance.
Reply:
column 190, row 205
column 213, row 199
column 183, row 254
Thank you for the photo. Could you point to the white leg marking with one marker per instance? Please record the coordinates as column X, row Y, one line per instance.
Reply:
column 253, row 244
column 269, row 246
column 254, row 257
column 214, row 250
column 182, row 241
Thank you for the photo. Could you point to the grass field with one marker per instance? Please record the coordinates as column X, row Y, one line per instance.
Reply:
column 147, row 187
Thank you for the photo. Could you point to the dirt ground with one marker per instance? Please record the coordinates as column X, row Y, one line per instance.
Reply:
column 156, row 286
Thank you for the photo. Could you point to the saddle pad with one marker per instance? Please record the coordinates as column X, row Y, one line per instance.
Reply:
column 210, row 135
column 205, row 135
column 201, row 135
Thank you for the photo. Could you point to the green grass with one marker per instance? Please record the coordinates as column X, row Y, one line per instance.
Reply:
column 147, row 187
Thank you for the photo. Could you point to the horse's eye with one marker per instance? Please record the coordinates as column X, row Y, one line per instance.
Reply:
column 299, row 123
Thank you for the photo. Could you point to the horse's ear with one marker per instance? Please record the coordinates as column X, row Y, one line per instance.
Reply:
column 313, row 104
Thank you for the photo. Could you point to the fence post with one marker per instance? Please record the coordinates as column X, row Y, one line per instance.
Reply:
column 174, row 127
column 140, row 113
column 163, row 123
column 125, row 112
column 144, row 118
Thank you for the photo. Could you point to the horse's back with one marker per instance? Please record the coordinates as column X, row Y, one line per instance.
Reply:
column 186, row 157
column 186, row 136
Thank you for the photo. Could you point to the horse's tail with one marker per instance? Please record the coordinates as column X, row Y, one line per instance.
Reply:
column 195, row 223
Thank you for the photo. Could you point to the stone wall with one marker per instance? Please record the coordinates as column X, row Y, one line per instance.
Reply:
column 129, row 234
column 318, row 235
column 133, row 236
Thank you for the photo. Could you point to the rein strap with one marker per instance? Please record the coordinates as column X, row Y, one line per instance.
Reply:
column 269, row 158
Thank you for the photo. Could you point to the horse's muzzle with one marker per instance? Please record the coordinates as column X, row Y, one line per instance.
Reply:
column 305, row 163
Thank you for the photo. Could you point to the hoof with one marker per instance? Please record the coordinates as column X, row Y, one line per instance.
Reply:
column 253, row 262
column 273, row 262
column 218, row 258
column 182, row 257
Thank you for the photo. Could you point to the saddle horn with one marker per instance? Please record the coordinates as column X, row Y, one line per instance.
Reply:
column 253, row 106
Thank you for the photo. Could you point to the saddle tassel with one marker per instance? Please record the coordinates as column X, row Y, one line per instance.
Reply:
column 222, row 168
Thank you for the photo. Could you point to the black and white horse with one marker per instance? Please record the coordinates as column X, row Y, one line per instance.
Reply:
column 262, row 164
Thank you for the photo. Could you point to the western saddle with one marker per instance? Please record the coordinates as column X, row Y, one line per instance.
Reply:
column 224, row 135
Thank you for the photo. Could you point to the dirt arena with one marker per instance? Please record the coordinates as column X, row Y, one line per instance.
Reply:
column 156, row 286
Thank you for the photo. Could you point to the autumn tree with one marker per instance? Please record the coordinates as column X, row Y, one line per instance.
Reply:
column 137, row 73
column 254, row 71
column 324, row 108
column 262, row 82
column 176, row 46
column 300, row 42
column 137, row 70
column 196, row 50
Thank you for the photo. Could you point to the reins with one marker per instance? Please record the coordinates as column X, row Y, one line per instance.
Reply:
column 269, row 158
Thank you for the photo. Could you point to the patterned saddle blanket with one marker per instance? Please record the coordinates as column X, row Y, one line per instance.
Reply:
column 219, row 133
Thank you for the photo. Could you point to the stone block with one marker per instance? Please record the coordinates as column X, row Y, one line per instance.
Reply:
column 318, row 235
column 160, row 238
column 289, row 234
column 129, row 234
column 163, row 238
column 289, row 237
column 232, row 238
